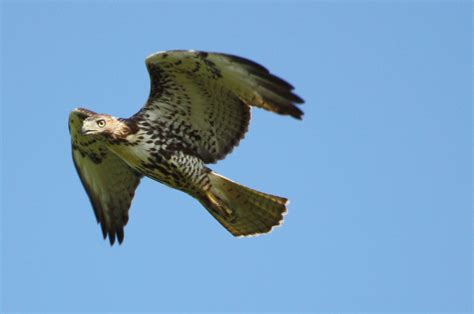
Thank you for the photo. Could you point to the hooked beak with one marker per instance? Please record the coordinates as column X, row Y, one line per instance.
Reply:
column 85, row 131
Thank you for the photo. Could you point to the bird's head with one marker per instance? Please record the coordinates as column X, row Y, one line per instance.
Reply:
column 102, row 124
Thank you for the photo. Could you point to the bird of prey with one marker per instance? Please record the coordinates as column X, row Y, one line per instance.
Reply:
column 197, row 112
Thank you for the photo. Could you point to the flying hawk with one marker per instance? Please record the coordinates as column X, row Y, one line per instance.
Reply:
column 197, row 112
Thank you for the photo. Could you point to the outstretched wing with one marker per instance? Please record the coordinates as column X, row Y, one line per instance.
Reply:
column 108, row 181
column 205, row 98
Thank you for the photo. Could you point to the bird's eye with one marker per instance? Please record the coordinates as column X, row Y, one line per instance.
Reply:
column 101, row 123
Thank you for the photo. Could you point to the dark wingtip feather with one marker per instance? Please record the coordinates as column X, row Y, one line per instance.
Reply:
column 297, row 99
column 296, row 113
column 274, row 85
column 120, row 235
column 104, row 231
column 278, row 80
column 111, row 238
column 292, row 97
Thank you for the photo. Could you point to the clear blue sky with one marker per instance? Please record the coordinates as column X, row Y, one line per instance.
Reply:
column 378, row 172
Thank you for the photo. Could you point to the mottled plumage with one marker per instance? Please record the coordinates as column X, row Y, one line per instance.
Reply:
column 197, row 112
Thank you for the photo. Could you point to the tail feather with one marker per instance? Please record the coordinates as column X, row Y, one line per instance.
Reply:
column 241, row 210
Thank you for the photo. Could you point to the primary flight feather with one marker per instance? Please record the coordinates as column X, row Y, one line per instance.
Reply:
column 197, row 112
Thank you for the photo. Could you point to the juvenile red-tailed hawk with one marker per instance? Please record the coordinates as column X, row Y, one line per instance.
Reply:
column 197, row 112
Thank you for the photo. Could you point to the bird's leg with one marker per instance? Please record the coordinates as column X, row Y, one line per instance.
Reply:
column 218, row 203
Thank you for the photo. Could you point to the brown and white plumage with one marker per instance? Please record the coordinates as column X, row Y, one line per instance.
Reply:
column 211, row 95
column 109, row 182
column 197, row 112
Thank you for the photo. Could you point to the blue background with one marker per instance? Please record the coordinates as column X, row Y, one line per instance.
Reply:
column 378, row 172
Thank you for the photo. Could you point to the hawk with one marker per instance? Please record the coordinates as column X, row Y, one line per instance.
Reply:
column 197, row 112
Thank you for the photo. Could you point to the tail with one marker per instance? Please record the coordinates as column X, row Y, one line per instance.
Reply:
column 241, row 210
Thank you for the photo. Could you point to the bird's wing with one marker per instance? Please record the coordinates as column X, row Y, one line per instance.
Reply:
column 108, row 181
column 206, row 98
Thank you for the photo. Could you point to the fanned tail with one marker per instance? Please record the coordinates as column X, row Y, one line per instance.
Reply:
column 241, row 210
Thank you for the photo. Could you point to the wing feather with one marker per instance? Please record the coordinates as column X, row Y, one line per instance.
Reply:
column 108, row 181
column 205, row 98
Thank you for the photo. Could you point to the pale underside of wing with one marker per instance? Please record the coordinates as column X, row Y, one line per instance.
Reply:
column 205, row 98
column 108, row 181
